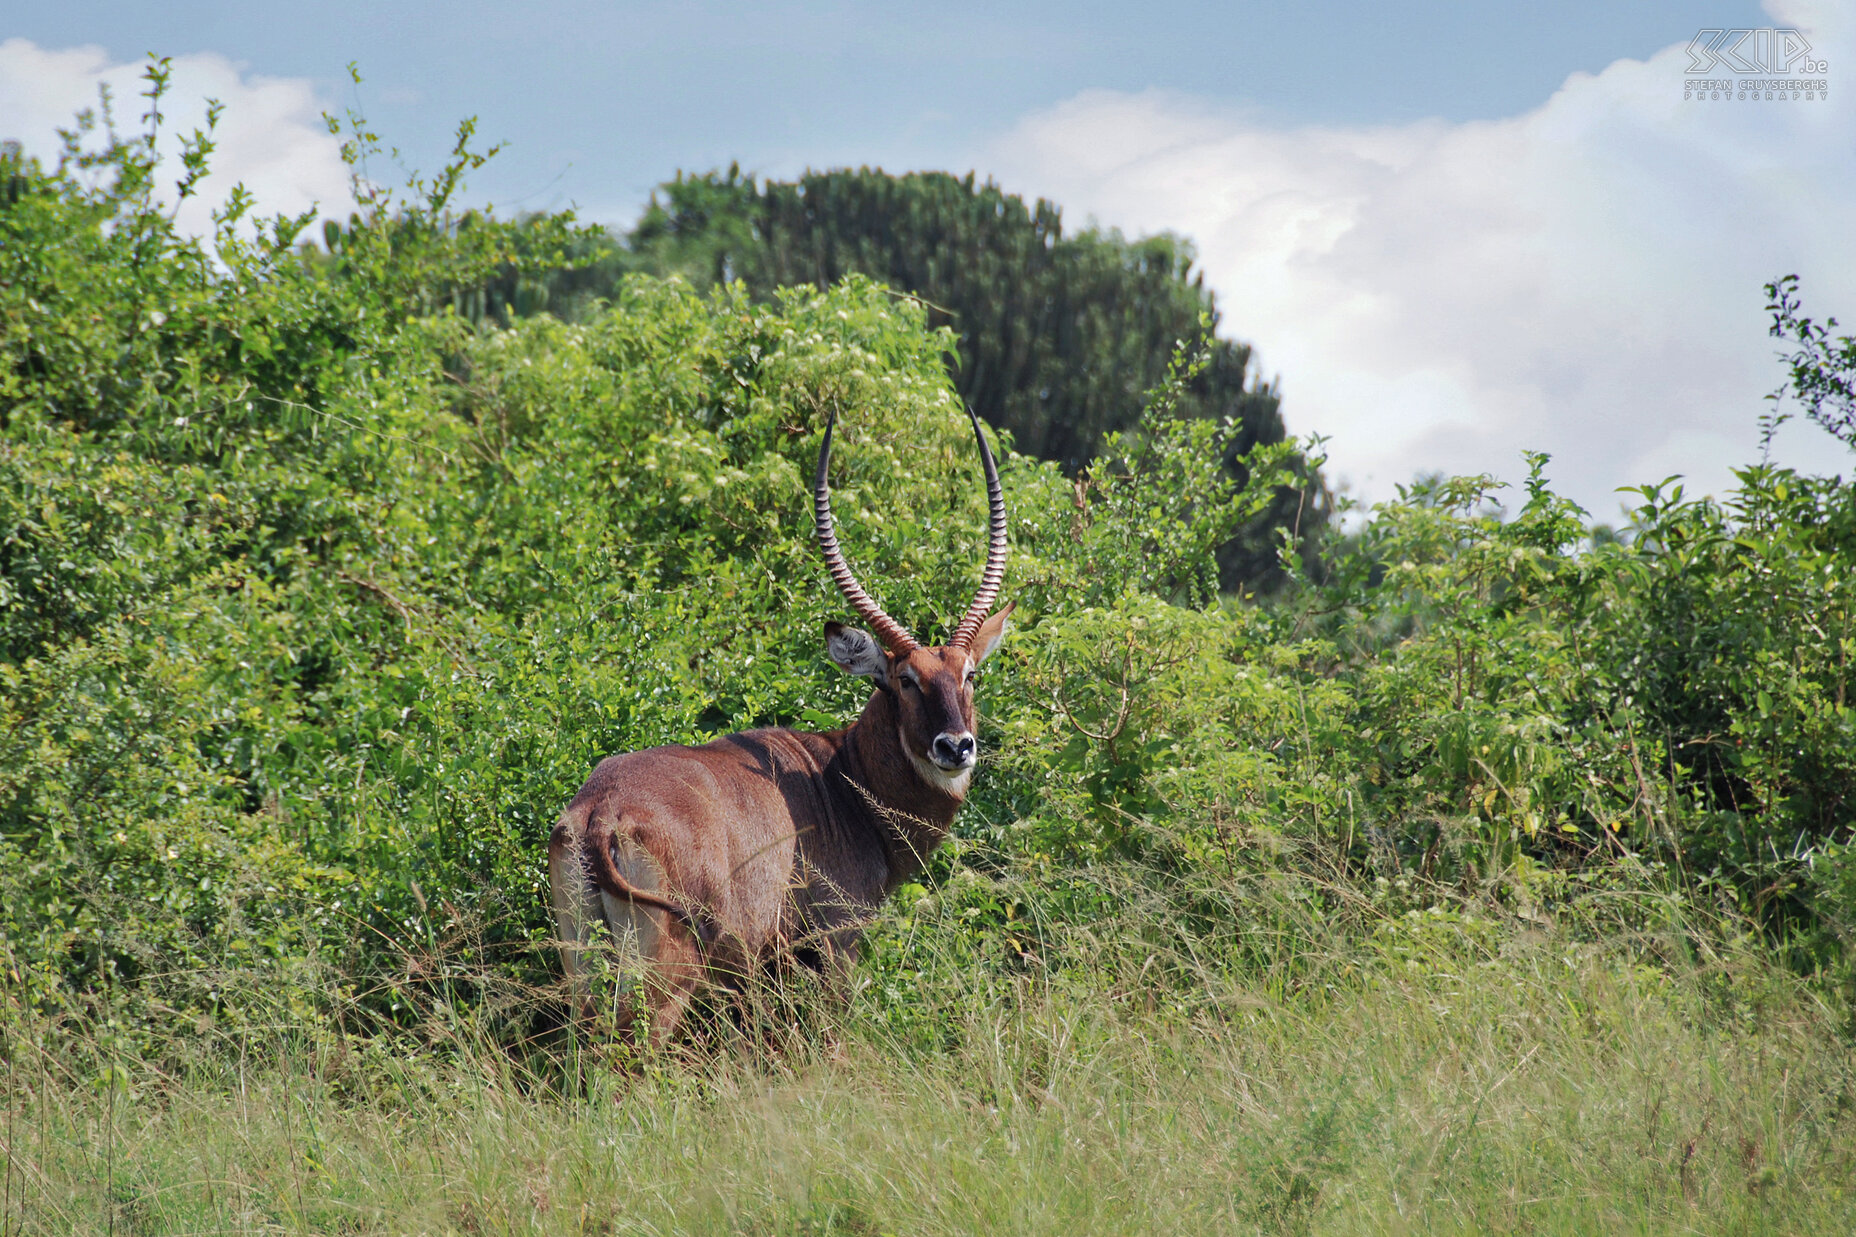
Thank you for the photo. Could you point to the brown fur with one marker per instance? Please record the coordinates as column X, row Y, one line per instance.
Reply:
column 718, row 859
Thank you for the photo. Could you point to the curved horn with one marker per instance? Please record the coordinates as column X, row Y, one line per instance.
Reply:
column 994, row 575
column 887, row 629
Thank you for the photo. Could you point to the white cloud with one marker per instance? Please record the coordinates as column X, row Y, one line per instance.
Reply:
column 1583, row 279
column 271, row 137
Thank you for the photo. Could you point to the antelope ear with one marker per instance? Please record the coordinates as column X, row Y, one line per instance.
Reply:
column 987, row 638
column 856, row 652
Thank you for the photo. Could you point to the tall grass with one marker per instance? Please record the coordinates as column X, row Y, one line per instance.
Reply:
column 1441, row 1070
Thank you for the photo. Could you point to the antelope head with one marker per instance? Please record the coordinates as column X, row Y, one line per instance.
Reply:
column 931, row 689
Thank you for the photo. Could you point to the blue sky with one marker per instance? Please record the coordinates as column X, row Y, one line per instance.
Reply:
column 1453, row 231
column 598, row 102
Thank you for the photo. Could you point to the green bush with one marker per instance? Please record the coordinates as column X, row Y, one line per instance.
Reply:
column 320, row 594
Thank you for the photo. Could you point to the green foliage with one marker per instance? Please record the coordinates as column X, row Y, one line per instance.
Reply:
column 1537, row 694
column 319, row 598
column 1823, row 369
column 1060, row 337
column 321, row 590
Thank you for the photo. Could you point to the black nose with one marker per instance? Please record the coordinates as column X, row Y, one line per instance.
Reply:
column 953, row 749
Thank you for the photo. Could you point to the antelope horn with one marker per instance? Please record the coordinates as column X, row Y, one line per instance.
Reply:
column 994, row 575
column 887, row 629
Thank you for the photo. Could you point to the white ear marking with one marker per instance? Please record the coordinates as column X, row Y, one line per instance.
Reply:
column 856, row 652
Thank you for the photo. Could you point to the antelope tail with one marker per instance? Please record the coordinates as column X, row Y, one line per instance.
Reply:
column 607, row 876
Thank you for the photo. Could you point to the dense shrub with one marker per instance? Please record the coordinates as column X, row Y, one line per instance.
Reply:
column 319, row 597
column 1060, row 335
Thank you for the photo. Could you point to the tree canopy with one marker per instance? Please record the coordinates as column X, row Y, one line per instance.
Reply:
column 1060, row 338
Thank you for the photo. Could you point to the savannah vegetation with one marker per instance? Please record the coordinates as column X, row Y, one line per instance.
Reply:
column 1478, row 867
column 1058, row 337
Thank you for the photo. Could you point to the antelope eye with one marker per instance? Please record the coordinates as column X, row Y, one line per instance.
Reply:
column 910, row 683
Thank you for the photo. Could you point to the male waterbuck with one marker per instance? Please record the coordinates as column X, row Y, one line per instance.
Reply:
column 716, row 861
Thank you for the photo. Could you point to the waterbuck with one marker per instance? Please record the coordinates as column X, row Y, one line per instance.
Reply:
column 715, row 862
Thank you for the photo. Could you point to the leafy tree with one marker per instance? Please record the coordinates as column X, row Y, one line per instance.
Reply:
column 1059, row 337
column 1823, row 369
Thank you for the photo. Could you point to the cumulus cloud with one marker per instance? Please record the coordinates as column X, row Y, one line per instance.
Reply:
column 1583, row 279
column 271, row 137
